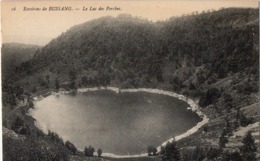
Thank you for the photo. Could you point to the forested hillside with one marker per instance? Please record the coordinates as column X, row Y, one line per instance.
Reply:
column 212, row 57
column 192, row 51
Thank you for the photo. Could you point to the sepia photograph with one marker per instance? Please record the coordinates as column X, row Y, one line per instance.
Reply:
column 130, row 80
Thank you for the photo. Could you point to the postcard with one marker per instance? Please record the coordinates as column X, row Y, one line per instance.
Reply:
column 130, row 80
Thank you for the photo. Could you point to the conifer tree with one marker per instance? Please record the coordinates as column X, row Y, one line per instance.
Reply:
column 249, row 148
column 99, row 151
column 223, row 140
column 171, row 152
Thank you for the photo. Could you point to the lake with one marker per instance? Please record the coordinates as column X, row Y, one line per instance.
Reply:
column 119, row 123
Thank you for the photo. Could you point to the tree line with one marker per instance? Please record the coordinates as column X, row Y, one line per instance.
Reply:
column 88, row 151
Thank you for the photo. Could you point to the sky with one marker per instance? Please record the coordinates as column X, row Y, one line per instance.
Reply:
column 39, row 27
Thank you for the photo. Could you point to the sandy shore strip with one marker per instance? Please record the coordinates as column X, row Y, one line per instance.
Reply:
column 193, row 105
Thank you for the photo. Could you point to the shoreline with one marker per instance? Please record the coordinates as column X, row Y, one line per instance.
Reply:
column 193, row 106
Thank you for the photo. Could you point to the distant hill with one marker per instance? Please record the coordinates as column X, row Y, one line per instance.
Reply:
column 13, row 54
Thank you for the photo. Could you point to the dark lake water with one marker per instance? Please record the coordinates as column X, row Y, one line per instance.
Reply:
column 122, row 124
